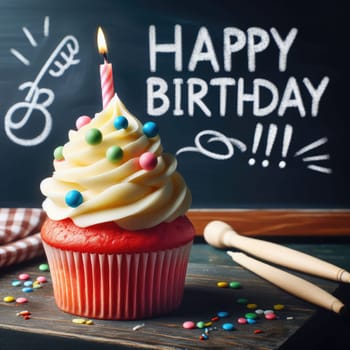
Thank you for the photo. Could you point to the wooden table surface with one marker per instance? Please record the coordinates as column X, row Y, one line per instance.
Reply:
column 299, row 323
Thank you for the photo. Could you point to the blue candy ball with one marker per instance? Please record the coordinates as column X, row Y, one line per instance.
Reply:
column 74, row 198
column 150, row 129
column 228, row 326
column 121, row 122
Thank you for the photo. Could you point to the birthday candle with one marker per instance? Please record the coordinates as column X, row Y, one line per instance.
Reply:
column 106, row 71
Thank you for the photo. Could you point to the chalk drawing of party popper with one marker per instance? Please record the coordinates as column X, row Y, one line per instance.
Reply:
column 39, row 99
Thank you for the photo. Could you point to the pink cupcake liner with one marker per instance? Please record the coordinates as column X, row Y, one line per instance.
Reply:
column 118, row 286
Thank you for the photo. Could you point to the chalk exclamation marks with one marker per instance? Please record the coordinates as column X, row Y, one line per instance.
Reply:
column 271, row 137
column 287, row 137
column 256, row 142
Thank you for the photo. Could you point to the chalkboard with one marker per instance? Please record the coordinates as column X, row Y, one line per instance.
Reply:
column 251, row 96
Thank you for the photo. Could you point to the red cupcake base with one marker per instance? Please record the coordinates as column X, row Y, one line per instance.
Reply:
column 118, row 286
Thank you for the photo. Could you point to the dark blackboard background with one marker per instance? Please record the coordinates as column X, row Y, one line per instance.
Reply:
column 320, row 49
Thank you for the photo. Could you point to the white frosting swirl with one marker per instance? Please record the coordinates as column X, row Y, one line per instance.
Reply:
column 122, row 192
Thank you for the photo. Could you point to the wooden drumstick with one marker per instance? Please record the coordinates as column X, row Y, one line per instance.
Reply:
column 222, row 235
column 292, row 284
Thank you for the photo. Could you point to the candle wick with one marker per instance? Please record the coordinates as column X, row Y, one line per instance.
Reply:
column 105, row 57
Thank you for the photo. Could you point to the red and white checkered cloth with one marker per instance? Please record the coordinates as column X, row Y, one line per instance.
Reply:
column 19, row 234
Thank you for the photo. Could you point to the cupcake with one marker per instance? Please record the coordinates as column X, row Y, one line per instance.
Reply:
column 117, row 238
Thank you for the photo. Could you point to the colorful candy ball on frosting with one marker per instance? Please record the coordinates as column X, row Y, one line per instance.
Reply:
column 148, row 161
column 57, row 153
column 82, row 121
column 121, row 122
column 74, row 198
column 114, row 154
column 93, row 136
column 150, row 129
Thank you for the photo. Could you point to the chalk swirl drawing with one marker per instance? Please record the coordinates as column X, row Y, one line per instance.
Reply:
column 210, row 136
column 39, row 99
column 217, row 137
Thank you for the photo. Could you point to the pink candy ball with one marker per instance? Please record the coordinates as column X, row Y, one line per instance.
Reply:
column 242, row 320
column 270, row 316
column 148, row 161
column 41, row 279
column 81, row 121
column 21, row 300
column 189, row 325
column 23, row 276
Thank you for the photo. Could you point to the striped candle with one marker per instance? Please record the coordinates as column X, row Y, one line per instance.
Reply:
column 106, row 71
column 107, row 85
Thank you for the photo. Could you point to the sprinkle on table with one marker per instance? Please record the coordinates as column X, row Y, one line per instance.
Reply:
column 82, row 321
column 44, row 267
column 138, row 326
column 9, row 299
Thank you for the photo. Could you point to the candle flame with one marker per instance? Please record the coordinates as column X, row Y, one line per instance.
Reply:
column 101, row 42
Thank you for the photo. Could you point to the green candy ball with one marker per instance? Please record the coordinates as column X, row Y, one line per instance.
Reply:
column 114, row 154
column 57, row 153
column 93, row 136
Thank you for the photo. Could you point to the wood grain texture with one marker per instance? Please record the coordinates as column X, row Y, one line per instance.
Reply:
column 277, row 222
column 202, row 300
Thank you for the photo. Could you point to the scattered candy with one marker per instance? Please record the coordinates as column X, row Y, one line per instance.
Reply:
column 148, row 161
column 259, row 312
column 36, row 285
column 251, row 321
column 16, row 283
column 208, row 324
column 93, row 136
column 251, row 315
column 215, row 318
column 189, row 325
column 28, row 283
column 150, row 129
column 79, row 320
column 242, row 320
column 21, row 300
column 41, row 279
column 228, row 326
column 268, row 311
column 27, row 289
column 222, row 284
column 252, row 306
column 23, row 313
column 242, row 300
column 57, row 153
column 74, row 198
column 278, row 307
column 44, row 267
column 82, row 121
column 235, row 285
column 9, row 299
column 223, row 314
column 82, row 321
column 91, row 322
column 121, row 122
column 135, row 328
column 258, row 331
column 26, row 315
column 203, row 336
column 23, row 276
column 289, row 318
column 114, row 154
column 270, row 316
column 200, row 324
